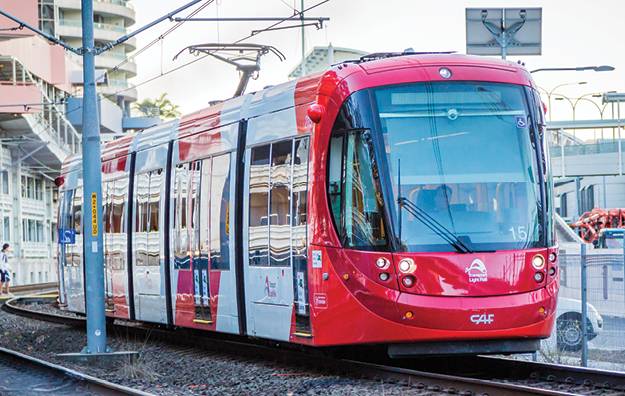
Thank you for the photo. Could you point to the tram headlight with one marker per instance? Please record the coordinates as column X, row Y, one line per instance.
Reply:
column 552, row 257
column 552, row 271
column 382, row 263
column 408, row 281
column 407, row 265
column 384, row 276
column 538, row 262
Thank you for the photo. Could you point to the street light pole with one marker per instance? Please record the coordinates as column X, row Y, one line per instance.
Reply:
column 578, row 68
column 552, row 91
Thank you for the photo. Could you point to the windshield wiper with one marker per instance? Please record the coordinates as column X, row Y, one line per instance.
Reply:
column 433, row 224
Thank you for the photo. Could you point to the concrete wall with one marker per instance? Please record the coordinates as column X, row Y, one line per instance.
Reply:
column 25, row 10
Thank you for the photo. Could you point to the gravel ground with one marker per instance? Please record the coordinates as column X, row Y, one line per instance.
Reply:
column 165, row 369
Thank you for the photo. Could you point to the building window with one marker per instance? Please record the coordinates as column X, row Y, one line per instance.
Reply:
column 5, row 182
column 46, row 16
column 32, row 230
column 6, row 229
column 32, row 188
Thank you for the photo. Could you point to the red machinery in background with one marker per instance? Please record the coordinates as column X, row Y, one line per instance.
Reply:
column 590, row 223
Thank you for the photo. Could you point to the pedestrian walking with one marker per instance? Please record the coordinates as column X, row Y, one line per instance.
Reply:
column 5, row 269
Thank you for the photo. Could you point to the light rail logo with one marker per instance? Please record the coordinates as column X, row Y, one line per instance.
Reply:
column 477, row 271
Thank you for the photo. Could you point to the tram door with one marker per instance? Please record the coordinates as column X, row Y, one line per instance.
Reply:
column 147, row 239
column 275, row 238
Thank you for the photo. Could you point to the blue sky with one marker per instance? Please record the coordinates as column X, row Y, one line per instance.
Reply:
column 575, row 33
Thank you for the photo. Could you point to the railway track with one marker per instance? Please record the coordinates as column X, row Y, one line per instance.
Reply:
column 480, row 375
column 25, row 375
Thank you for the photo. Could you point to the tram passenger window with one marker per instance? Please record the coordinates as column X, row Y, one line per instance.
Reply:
column 153, row 242
column 259, row 199
column 204, row 209
column 118, row 197
column 142, row 186
column 298, row 223
column 195, row 173
column 180, row 236
column 77, row 211
column 76, row 251
column 220, row 209
column 279, row 205
column 357, row 203
column 335, row 171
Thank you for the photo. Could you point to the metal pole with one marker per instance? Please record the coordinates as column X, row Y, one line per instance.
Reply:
column 301, row 16
column 623, row 266
column 92, row 198
column 605, row 194
column 620, row 152
column 562, row 165
column 504, row 38
column 578, row 197
column 584, row 306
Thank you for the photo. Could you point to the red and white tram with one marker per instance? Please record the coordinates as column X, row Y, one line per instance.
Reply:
column 396, row 200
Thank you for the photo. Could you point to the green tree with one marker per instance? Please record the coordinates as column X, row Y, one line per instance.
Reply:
column 161, row 107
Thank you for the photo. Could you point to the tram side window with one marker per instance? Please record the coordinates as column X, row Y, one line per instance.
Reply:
column 279, row 205
column 259, row 211
column 106, row 221
column 220, row 209
column 195, row 174
column 354, row 193
column 203, row 209
column 180, row 216
column 153, row 213
column 298, row 223
column 142, row 189
column 66, row 221
column 76, row 253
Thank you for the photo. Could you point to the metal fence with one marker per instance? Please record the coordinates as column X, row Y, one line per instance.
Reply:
column 597, row 278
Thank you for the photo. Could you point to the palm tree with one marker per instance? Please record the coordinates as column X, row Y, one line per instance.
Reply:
column 159, row 107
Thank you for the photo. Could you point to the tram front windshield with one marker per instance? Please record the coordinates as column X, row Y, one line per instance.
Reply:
column 464, row 154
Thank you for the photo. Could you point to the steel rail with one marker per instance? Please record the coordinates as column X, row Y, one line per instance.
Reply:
column 463, row 375
column 81, row 381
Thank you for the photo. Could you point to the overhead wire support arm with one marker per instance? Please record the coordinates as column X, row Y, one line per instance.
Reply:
column 249, row 19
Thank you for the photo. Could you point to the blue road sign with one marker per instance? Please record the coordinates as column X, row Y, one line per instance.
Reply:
column 67, row 236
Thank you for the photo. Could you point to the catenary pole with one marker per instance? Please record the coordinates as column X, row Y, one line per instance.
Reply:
column 92, row 192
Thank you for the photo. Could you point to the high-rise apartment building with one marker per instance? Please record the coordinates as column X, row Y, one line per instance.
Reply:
column 112, row 18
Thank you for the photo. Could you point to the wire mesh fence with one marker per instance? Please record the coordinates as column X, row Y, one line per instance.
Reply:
column 605, row 312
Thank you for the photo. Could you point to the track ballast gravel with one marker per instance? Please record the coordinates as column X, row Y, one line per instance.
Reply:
column 166, row 369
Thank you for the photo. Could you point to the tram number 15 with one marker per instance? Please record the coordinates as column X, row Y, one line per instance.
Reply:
column 518, row 233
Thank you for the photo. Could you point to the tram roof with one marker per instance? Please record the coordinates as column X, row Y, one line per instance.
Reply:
column 295, row 92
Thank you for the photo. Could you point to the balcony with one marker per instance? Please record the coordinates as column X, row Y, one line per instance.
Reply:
column 119, row 88
column 102, row 31
column 111, row 7
column 111, row 59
